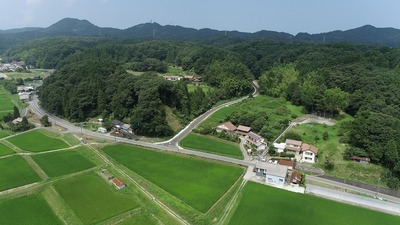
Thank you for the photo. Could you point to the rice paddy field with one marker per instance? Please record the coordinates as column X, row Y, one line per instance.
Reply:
column 261, row 204
column 5, row 150
column 31, row 209
column 212, row 145
column 56, row 164
column 36, row 141
column 15, row 172
column 198, row 183
column 92, row 199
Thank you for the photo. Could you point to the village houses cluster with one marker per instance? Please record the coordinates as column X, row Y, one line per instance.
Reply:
column 12, row 67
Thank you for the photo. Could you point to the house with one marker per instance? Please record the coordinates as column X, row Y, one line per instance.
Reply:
column 102, row 130
column 308, row 153
column 288, row 163
column 126, row 128
column 25, row 97
column 293, row 146
column 242, row 130
column 274, row 174
column 16, row 121
column 295, row 178
column 172, row 78
column 360, row 159
column 118, row 183
column 227, row 127
column 257, row 140
column 279, row 147
column 116, row 124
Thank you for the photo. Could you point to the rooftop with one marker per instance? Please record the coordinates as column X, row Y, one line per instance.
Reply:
column 273, row 169
column 243, row 128
column 293, row 142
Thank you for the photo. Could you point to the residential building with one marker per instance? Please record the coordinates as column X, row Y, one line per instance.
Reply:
column 257, row 140
column 308, row 153
column 274, row 174
column 172, row 78
column 242, row 130
column 227, row 127
column 293, row 146
column 279, row 147
column 25, row 97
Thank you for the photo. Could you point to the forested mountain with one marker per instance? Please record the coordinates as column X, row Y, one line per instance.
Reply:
column 74, row 27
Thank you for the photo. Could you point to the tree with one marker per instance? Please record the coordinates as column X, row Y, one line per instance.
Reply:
column 45, row 121
column 335, row 100
column 325, row 136
column 329, row 163
column 16, row 112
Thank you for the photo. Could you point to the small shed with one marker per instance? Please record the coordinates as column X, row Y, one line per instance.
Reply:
column 102, row 130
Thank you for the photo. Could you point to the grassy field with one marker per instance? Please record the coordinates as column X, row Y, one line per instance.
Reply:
column 4, row 133
column 277, row 111
column 36, row 141
column 5, row 150
column 24, row 75
column 211, row 144
column 16, row 172
column 192, row 87
column 369, row 173
column 32, row 210
column 144, row 219
column 92, row 199
column 198, row 183
column 260, row 204
column 61, row 163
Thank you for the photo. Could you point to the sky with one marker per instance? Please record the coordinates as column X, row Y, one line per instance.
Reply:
column 291, row 16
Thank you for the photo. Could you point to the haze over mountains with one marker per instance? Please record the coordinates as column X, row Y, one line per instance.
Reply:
column 74, row 27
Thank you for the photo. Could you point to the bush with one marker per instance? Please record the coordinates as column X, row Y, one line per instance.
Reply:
column 329, row 163
column 293, row 135
column 325, row 136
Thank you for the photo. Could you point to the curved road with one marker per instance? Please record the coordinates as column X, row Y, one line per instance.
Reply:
column 177, row 138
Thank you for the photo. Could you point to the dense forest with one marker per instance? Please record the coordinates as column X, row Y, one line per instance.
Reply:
column 327, row 79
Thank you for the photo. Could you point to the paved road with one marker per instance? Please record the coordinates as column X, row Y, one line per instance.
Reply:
column 72, row 128
column 177, row 138
column 354, row 199
column 353, row 188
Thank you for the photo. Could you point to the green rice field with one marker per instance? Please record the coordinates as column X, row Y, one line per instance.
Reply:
column 5, row 150
column 32, row 210
column 198, row 183
column 261, row 204
column 6, row 105
column 16, row 172
column 36, row 141
column 92, row 199
column 212, row 145
column 61, row 163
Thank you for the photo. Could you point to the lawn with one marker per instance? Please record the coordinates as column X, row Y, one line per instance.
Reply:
column 36, row 141
column 5, row 150
column 199, row 183
column 61, row 163
column 92, row 199
column 16, row 172
column 32, row 210
column 261, row 204
column 211, row 144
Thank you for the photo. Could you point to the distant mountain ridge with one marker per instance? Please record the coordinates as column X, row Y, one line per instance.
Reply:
column 74, row 27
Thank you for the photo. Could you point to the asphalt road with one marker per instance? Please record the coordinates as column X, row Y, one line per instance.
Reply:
column 354, row 199
column 177, row 138
column 34, row 106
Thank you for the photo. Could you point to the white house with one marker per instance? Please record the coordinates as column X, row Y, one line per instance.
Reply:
column 279, row 147
column 308, row 153
column 274, row 174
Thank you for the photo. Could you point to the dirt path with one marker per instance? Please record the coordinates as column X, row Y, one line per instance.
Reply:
column 231, row 203
column 35, row 167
